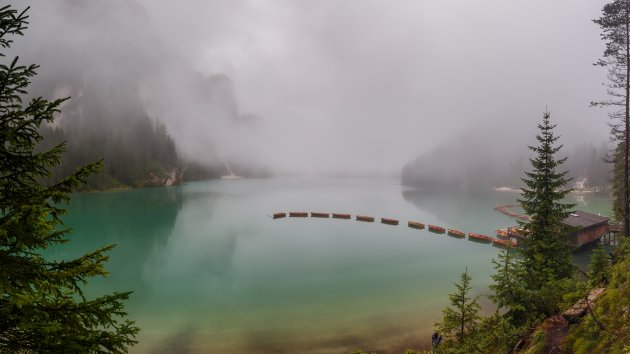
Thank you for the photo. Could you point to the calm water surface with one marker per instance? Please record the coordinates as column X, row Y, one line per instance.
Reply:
column 212, row 272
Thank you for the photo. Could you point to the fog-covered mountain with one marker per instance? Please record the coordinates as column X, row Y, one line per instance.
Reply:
column 152, row 119
column 487, row 159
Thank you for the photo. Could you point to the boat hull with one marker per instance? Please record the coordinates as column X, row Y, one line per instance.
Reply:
column 479, row 238
column 436, row 229
column 456, row 233
column 389, row 221
column 415, row 225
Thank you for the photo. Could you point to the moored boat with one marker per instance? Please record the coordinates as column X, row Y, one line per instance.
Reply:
column 365, row 218
column 503, row 243
column 279, row 215
column 319, row 215
column 503, row 233
column 298, row 214
column 516, row 231
column 416, row 225
column 479, row 237
column 341, row 216
column 389, row 221
column 454, row 232
column 436, row 229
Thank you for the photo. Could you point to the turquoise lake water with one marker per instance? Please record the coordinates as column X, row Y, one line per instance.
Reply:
column 212, row 272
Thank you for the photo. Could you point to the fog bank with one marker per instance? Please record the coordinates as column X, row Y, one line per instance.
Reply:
column 330, row 87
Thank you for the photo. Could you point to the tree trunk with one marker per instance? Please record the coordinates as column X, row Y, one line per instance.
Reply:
column 463, row 319
column 626, row 206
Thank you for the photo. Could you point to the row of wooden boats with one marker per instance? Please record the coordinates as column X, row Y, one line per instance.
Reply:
column 504, row 239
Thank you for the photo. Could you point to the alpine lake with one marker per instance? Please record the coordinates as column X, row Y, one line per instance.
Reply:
column 212, row 272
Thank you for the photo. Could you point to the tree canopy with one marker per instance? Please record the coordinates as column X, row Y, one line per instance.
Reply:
column 43, row 307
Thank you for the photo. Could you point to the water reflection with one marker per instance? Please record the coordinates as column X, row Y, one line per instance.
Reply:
column 136, row 221
column 469, row 211
column 212, row 273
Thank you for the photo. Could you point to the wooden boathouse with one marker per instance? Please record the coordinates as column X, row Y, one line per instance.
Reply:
column 588, row 227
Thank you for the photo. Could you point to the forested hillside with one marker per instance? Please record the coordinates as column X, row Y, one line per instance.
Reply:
column 124, row 106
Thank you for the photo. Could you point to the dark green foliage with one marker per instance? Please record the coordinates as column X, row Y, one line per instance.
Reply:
column 42, row 304
column 607, row 330
column 508, row 287
column 494, row 334
column 532, row 285
column 598, row 268
column 546, row 252
column 615, row 25
column 617, row 182
column 463, row 315
column 139, row 153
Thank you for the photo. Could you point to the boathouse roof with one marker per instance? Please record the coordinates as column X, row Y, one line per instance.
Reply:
column 583, row 219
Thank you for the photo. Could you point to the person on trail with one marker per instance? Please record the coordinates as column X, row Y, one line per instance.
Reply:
column 436, row 339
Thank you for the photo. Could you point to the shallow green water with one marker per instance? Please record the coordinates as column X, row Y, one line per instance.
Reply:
column 212, row 272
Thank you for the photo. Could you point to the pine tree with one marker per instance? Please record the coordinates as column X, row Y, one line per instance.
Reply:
column 546, row 252
column 615, row 26
column 507, row 288
column 463, row 315
column 598, row 267
column 42, row 304
column 617, row 182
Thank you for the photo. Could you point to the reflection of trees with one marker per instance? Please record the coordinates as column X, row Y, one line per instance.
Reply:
column 204, row 240
column 467, row 210
column 136, row 221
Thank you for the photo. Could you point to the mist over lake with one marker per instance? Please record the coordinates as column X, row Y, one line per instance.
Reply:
column 212, row 271
column 220, row 136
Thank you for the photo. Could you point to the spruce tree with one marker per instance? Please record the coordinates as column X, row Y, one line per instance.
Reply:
column 615, row 25
column 508, row 287
column 617, row 181
column 43, row 307
column 463, row 314
column 546, row 252
column 598, row 267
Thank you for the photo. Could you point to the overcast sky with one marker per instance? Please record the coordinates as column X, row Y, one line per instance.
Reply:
column 345, row 86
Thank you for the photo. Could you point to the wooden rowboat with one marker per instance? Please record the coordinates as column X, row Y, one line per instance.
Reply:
column 298, row 214
column 503, row 243
column 365, row 218
column 503, row 233
column 456, row 233
column 319, row 215
column 389, row 221
column 478, row 237
column 516, row 232
column 341, row 216
column 416, row 225
column 279, row 215
column 437, row 229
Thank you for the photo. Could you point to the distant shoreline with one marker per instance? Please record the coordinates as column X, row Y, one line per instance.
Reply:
column 506, row 189
column 574, row 191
